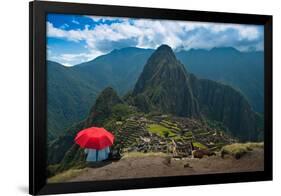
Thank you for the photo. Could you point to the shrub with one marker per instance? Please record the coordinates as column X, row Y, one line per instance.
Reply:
column 237, row 150
column 121, row 111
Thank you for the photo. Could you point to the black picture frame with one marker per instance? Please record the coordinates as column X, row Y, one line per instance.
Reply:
column 38, row 96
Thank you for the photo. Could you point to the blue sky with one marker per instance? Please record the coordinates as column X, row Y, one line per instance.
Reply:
column 73, row 39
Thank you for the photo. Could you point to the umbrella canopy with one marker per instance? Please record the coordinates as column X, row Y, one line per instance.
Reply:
column 95, row 138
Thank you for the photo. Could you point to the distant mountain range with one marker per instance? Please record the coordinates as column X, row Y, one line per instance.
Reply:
column 73, row 90
column 242, row 70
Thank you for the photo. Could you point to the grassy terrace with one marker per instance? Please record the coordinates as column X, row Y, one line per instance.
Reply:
column 199, row 145
column 127, row 134
column 170, row 125
column 188, row 134
column 161, row 130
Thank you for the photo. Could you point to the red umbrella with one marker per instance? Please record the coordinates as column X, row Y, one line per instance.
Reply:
column 95, row 138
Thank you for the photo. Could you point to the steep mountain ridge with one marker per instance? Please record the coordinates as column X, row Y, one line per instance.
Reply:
column 164, row 83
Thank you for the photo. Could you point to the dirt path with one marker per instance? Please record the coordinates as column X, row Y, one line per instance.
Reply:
column 151, row 166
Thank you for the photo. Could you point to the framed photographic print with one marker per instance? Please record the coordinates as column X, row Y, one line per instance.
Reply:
column 130, row 97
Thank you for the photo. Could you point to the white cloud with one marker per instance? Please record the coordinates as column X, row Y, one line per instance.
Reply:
column 70, row 59
column 71, row 35
column 64, row 26
column 107, row 18
column 146, row 33
column 75, row 21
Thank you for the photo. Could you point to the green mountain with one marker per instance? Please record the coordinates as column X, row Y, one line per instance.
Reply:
column 73, row 90
column 62, row 146
column 119, row 69
column 241, row 70
column 167, row 87
column 164, row 85
column 69, row 98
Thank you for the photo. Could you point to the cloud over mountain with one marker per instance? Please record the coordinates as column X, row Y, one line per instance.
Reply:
column 93, row 36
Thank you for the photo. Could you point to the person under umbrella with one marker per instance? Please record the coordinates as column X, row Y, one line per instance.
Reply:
column 96, row 155
column 96, row 142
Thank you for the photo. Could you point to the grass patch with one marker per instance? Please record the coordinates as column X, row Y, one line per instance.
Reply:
column 170, row 125
column 200, row 131
column 187, row 138
column 64, row 176
column 188, row 134
column 143, row 154
column 160, row 130
column 178, row 138
column 203, row 134
column 255, row 144
column 199, row 145
column 175, row 128
column 237, row 150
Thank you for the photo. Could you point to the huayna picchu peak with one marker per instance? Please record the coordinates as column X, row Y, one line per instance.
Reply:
column 163, row 85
